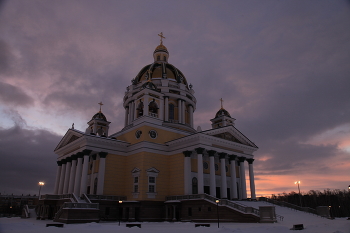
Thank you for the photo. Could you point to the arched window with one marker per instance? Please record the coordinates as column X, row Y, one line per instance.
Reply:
column 158, row 58
column 140, row 109
column 194, row 185
column 171, row 112
column 153, row 107
column 95, row 186
column 164, row 58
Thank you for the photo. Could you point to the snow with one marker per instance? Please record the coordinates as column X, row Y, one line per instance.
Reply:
column 312, row 224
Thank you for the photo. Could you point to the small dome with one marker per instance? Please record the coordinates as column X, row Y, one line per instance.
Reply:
column 222, row 112
column 162, row 48
column 99, row 116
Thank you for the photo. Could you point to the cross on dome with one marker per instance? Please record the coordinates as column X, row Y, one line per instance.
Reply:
column 221, row 103
column 100, row 105
column 161, row 37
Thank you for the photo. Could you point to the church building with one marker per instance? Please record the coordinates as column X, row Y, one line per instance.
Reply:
column 158, row 167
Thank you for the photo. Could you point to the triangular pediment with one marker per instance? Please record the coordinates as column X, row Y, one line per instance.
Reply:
column 227, row 136
column 69, row 137
column 230, row 133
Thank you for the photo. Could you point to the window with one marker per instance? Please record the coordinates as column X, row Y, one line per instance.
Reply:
column 158, row 58
column 151, row 188
column 209, row 208
column 140, row 109
column 216, row 167
column 164, row 58
column 152, row 174
column 205, row 165
column 153, row 107
column 189, row 211
column 136, row 174
column 199, row 209
column 171, row 112
column 194, row 185
column 95, row 186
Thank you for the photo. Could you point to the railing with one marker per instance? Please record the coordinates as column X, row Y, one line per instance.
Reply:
column 289, row 205
column 153, row 114
column 174, row 86
column 70, row 205
column 84, row 197
column 225, row 202
column 105, row 197
column 57, row 196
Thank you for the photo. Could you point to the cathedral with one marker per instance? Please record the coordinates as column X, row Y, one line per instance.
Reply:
column 158, row 167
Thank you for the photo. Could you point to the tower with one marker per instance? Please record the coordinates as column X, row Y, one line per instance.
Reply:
column 98, row 125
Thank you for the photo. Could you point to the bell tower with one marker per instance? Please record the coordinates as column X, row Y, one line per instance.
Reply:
column 98, row 125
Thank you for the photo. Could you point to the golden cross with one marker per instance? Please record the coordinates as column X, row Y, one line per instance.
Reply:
column 161, row 37
column 100, row 105
column 221, row 103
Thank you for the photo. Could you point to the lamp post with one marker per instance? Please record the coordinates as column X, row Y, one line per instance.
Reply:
column 298, row 182
column 120, row 202
column 40, row 185
column 217, row 211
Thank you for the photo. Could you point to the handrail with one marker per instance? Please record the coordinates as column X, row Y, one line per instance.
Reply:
column 289, row 205
column 225, row 202
column 84, row 197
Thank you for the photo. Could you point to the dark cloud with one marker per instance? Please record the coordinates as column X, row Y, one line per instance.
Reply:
column 27, row 158
column 13, row 95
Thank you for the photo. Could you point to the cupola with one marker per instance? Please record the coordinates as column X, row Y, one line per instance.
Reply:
column 98, row 125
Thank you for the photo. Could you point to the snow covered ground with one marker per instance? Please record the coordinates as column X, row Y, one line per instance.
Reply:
column 311, row 223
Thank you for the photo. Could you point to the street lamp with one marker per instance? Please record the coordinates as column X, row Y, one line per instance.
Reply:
column 40, row 185
column 298, row 182
column 217, row 211
column 349, row 188
column 120, row 202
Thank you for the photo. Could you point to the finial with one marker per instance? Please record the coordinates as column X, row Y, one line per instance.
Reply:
column 73, row 126
column 161, row 37
column 100, row 105
column 221, row 103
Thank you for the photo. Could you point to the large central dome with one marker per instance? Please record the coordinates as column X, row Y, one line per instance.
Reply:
column 160, row 69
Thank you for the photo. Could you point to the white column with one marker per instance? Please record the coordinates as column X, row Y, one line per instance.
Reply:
column 223, row 175
column 66, row 177
column 84, row 175
column 145, row 105
column 251, row 179
column 92, row 174
column 130, row 117
column 63, row 173
column 78, row 174
column 242, row 177
column 126, row 115
column 179, row 106
column 72, row 174
column 187, row 173
column 166, row 107
column 234, row 194
column 101, row 173
column 212, row 173
column 200, row 176
column 132, row 111
column 183, row 111
column 190, row 115
column 58, row 174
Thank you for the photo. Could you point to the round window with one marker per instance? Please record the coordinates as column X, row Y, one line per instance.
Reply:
column 205, row 165
column 138, row 134
column 153, row 134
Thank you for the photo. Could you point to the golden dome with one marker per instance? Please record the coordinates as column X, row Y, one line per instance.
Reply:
column 162, row 48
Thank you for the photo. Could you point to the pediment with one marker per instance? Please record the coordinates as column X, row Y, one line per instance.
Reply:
column 69, row 137
column 230, row 133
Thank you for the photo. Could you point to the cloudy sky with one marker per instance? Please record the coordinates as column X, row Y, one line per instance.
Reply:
column 282, row 68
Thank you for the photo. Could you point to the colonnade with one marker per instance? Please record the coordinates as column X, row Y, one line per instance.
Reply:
column 233, row 159
column 72, row 173
column 131, row 110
